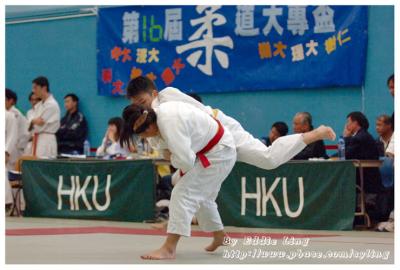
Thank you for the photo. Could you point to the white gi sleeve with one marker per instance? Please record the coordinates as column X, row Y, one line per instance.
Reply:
column 11, row 133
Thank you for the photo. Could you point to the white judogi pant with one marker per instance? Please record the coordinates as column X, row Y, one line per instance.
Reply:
column 252, row 151
column 46, row 146
column 197, row 190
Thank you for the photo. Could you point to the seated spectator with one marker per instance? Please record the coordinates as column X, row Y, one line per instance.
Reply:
column 387, row 170
column 385, row 131
column 302, row 122
column 390, row 150
column 73, row 129
column 111, row 141
column 278, row 129
column 359, row 144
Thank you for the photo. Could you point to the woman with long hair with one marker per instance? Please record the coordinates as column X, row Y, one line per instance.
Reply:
column 202, row 150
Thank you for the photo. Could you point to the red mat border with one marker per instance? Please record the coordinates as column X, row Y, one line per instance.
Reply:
column 137, row 231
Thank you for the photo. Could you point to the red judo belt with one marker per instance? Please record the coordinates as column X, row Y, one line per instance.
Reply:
column 213, row 142
column 34, row 143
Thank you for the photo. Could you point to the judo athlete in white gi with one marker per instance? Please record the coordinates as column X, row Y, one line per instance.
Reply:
column 46, row 120
column 23, row 134
column 11, row 150
column 143, row 91
column 204, row 152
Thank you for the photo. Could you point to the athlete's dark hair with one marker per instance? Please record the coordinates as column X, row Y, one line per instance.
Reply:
column 140, row 85
column 137, row 119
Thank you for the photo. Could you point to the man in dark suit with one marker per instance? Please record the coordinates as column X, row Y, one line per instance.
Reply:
column 360, row 144
column 302, row 122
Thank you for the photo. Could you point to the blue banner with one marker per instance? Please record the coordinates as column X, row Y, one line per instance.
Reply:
column 207, row 49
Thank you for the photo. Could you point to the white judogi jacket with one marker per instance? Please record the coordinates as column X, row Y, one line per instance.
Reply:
column 31, row 112
column 185, row 130
column 23, row 133
column 11, row 139
column 249, row 149
column 49, row 111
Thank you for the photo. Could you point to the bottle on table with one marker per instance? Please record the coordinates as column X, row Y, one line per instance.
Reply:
column 86, row 148
column 341, row 149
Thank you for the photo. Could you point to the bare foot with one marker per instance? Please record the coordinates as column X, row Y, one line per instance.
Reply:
column 162, row 253
column 194, row 221
column 326, row 133
column 218, row 241
column 160, row 226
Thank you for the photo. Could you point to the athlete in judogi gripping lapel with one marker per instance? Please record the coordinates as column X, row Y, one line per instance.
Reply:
column 204, row 152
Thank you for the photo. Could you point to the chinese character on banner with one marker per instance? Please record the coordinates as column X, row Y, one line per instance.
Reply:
column 173, row 24
column 178, row 65
column 312, row 45
column 297, row 52
column 330, row 45
column 116, row 53
column 203, row 38
column 340, row 37
column 264, row 50
column 297, row 20
column 126, row 55
column 106, row 75
column 245, row 22
column 117, row 87
column 141, row 55
column 130, row 27
column 272, row 12
column 323, row 16
column 168, row 76
column 151, row 76
column 280, row 49
column 135, row 72
column 153, row 55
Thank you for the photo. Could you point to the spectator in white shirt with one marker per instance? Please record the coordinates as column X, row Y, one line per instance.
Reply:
column 111, row 142
column 385, row 130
